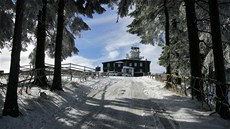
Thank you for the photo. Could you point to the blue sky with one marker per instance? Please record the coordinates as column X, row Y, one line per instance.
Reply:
column 106, row 41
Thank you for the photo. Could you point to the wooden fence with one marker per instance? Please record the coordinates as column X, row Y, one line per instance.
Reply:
column 68, row 71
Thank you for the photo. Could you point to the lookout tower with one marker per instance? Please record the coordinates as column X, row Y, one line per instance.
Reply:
column 135, row 53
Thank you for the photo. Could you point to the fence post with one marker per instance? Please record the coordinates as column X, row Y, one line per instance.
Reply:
column 71, row 76
column 84, row 74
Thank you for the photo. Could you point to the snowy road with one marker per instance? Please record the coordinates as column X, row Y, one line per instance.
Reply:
column 117, row 104
column 122, row 105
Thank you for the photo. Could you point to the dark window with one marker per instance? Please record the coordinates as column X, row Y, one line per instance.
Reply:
column 141, row 64
column 130, row 64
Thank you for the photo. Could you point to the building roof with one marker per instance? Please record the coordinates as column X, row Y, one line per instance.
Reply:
column 121, row 61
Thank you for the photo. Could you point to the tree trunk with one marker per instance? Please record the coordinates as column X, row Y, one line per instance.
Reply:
column 195, row 59
column 168, row 68
column 222, row 104
column 11, row 104
column 57, row 83
column 40, row 75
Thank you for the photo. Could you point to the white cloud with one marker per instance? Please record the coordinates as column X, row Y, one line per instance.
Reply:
column 5, row 57
column 113, row 54
column 102, row 20
column 152, row 53
column 119, row 39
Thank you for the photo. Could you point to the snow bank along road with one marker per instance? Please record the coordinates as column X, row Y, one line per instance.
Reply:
column 111, row 103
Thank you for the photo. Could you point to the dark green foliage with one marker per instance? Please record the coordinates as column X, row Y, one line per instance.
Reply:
column 7, row 8
column 77, row 25
column 123, row 7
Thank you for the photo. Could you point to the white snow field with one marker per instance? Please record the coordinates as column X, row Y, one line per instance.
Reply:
column 110, row 103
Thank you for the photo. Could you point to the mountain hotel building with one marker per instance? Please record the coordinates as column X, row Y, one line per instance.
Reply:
column 133, row 65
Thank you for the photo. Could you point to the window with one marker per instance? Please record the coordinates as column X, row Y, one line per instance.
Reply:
column 135, row 64
column 119, row 65
column 108, row 65
column 130, row 64
column 141, row 64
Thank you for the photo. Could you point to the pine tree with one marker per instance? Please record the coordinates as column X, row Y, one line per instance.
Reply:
column 11, row 104
column 195, row 60
column 57, row 83
column 222, row 104
column 40, row 78
column 167, row 43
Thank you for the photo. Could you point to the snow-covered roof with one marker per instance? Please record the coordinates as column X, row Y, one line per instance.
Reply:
column 119, row 62
column 125, row 60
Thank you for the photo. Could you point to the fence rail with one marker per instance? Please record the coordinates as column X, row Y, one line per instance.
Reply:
column 68, row 71
column 184, row 85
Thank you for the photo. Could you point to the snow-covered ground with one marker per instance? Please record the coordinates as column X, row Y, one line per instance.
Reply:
column 110, row 103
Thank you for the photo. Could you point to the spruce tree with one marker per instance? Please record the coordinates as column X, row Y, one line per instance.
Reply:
column 11, row 104
column 222, row 104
